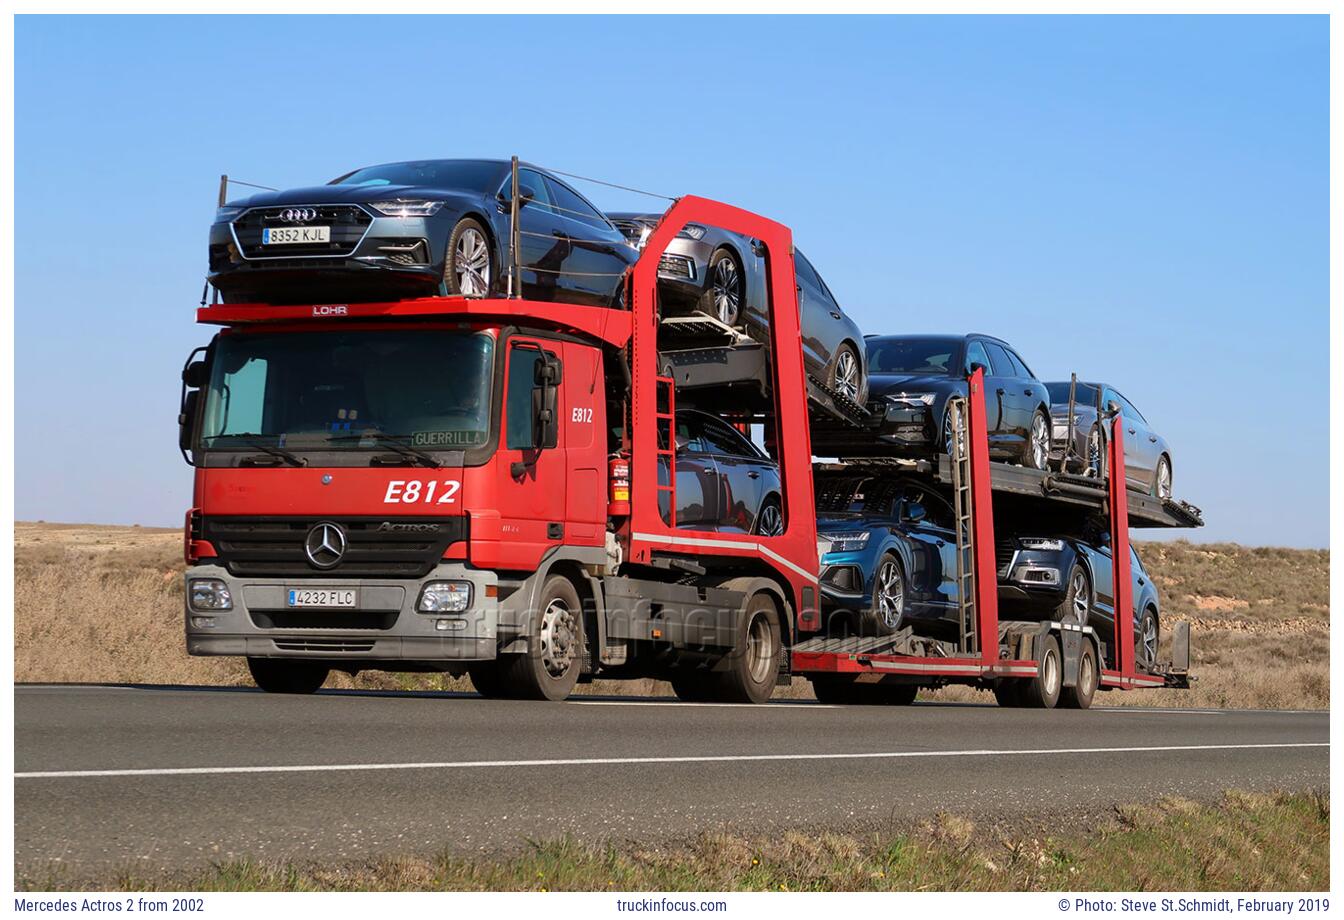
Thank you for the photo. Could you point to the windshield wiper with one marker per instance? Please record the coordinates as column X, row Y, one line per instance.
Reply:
column 397, row 444
column 250, row 439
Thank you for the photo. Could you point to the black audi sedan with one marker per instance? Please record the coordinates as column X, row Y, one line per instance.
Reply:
column 1147, row 454
column 916, row 375
column 417, row 228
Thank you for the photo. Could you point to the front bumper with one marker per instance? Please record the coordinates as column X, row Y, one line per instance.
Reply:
column 384, row 627
column 906, row 425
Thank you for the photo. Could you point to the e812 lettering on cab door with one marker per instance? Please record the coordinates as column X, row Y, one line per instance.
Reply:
column 421, row 492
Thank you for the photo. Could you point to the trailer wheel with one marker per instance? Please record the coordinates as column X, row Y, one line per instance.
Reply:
column 753, row 664
column 549, row 669
column 469, row 264
column 1080, row 696
column 1042, row 691
column 278, row 675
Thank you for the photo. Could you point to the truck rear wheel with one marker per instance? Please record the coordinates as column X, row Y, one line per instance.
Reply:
column 1080, row 696
column 1042, row 691
column 549, row 669
column 753, row 665
column 279, row 675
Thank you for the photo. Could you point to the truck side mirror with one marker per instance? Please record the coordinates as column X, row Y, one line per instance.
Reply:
column 544, row 422
column 195, row 375
column 186, row 419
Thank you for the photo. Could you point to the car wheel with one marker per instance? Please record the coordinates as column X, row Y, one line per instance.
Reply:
column 753, row 665
column 1145, row 643
column 847, row 373
column 725, row 288
column 1080, row 695
column 276, row 675
column 770, row 519
column 1036, row 451
column 549, row 669
column 1042, row 691
column 1077, row 603
column 1162, row 478
column 887, row 614
column 469, row 265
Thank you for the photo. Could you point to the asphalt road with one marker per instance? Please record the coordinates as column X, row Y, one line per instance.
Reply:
column 111, row 778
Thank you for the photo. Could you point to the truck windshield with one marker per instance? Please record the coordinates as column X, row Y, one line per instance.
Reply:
column 429, row 388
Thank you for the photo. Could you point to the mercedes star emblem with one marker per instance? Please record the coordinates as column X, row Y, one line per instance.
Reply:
column 325, row 544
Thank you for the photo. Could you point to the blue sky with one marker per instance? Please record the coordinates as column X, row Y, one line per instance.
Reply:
column 1144, row 200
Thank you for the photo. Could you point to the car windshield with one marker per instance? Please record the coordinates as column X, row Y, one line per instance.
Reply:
column 474, row 175
column 1084, row 395
column 350, row 390
column 921, row 355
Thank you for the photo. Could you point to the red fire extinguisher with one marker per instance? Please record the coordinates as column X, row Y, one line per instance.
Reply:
column 618, row 477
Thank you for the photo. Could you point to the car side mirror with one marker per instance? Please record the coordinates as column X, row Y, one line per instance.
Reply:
column 1112, row 407
column 915, row 512
column 976, row 366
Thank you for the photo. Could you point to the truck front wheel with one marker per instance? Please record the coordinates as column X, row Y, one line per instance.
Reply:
column 277, row 675
column 549, row 669
column 753, row 665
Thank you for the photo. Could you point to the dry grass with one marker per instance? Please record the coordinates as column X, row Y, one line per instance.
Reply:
column 1277, row 842
column 1260, row 619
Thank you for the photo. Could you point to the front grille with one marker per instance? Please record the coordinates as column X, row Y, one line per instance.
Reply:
column 274, row 546
column 1004, row 548
column 347, row 222
column 322, row 619
column 302, row 644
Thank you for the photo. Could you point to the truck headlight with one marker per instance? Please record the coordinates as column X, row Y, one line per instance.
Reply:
column 444, row 597
column 209, row 594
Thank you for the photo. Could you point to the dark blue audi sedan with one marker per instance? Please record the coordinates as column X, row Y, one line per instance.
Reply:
column 889, row 556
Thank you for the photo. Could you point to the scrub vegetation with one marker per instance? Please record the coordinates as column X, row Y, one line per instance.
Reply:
column 1262, row 842
column 104, row 604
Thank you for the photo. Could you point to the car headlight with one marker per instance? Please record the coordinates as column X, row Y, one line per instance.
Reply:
column 923, row 399
column 227, row 213
column 692, row 232
column 406, row 207
column 209, row 594
column 444, row 597
column 846, row 542
column 1044, row 543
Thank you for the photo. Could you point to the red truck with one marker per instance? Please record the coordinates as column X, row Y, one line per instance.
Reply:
column 489, row 487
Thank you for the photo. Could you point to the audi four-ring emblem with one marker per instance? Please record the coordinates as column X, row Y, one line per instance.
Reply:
column 298, row 215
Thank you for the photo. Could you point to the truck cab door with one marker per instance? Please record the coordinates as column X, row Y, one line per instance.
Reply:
column 532, row 504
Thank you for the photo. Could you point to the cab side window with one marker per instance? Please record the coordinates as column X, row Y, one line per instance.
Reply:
column 522, row 376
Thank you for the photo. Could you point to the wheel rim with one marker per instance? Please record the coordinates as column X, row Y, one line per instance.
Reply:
column 760, row 651
column 1050, row 673
column 1087, row 674
column 771, row 521
column 1163, row 479
column 1040, row 442
column 1149, row 639
column 847, row 375
column 890, row 594
column 1080, row 601
column 471, row 264
column 727, row 291
column 557, row 638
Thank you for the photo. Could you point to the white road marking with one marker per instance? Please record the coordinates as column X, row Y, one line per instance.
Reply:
column 609, row 761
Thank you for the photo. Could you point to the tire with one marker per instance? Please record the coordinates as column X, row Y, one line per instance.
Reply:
column 1077, row 603
column 1080, row 696
column 279, row 675
column 1145, row 649
column 886, row 614
column 488, row 680
column 1036, row 450
column 725, row 288
column 846, row 377
column 1162, row 478
column 769, row 519
column 549, row 669
column 1042, row 691
column 754, row 664
column 469, row 261
column 1008, row 694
